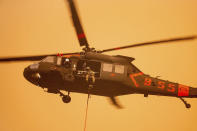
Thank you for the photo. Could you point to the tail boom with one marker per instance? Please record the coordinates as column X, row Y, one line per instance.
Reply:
column 155, row 86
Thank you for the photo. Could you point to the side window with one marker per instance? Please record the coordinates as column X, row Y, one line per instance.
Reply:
column 119, row 69
column 107, row 67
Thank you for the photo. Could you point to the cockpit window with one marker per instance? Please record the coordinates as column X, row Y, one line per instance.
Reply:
column 50, row 59
column 59, row 60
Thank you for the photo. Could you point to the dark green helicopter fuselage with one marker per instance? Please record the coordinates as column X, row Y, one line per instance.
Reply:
column 115, row 76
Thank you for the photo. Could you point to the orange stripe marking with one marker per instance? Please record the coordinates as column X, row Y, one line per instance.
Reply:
column 132, row 76
column 183, row 90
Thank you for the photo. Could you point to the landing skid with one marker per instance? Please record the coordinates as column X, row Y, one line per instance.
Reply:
column 187, row 105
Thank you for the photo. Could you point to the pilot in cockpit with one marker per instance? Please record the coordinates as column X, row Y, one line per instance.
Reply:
column 67, row 62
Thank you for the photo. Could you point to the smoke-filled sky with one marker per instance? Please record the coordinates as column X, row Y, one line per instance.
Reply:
column 34, row 27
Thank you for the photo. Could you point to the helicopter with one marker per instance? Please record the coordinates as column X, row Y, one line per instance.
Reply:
column 92, row 72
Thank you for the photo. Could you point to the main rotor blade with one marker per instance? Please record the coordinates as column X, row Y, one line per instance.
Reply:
column 77, row 24
column 151, row 43
column 31, row 58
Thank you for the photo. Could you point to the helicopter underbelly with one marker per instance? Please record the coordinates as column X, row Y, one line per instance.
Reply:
column 101, row 88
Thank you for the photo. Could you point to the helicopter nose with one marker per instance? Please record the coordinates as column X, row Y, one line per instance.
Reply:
column 31, row 73
column 30, row 70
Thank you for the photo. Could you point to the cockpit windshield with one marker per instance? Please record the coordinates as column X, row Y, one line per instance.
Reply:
column 50, row 59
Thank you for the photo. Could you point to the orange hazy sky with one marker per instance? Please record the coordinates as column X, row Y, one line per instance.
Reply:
column 33, row 27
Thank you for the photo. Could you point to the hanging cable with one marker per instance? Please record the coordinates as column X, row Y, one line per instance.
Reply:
column 86, row 115
column 90, row 79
